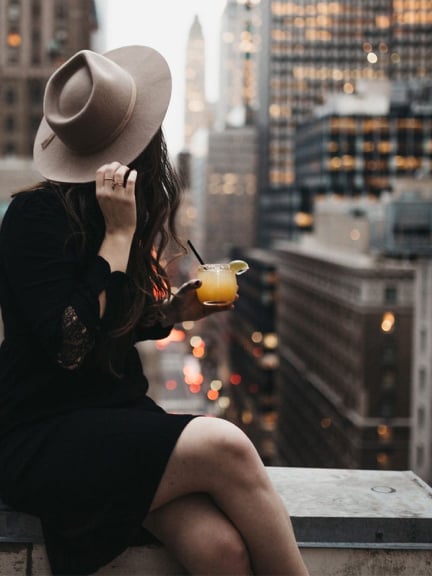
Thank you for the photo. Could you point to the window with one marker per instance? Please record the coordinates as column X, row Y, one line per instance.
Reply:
column 9, row 124
column 10, row 149
column 390, row 295
column 10, row 96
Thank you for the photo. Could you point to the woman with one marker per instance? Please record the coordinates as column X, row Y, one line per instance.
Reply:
column 82, row 445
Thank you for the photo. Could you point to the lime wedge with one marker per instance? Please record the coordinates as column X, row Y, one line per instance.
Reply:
column 238, row 266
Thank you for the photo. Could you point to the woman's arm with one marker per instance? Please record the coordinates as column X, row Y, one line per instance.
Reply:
column 116, row 199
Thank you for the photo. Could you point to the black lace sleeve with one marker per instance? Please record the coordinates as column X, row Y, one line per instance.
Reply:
column 76, row 341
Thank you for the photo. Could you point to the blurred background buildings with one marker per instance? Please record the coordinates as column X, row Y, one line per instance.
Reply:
column 314, row 165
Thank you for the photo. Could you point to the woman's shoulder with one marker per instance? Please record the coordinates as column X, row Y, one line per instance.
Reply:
column 35, row 203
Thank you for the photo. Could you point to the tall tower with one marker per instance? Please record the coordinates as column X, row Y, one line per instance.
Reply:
column 195, row 98
column 240, row 44
column 312, row 48
column 35, row 37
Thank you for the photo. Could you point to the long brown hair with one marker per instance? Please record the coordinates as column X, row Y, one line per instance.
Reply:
column 158, row 195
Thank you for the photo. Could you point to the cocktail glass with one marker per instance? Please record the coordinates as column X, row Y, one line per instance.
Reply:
column 219, row 284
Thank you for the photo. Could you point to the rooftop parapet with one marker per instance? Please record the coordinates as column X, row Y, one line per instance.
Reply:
column 362, row 522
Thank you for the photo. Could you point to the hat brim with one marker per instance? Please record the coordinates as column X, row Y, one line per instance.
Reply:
column 152, row 77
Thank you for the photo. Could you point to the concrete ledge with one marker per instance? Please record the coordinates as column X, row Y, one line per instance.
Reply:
column 362, row 522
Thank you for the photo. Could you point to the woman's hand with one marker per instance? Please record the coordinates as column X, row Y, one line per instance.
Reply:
column 185, row 305
column 116, row 198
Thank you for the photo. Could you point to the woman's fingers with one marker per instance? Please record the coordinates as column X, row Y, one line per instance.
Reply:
column 115, row 191
column 105, row 174
column 130, row 182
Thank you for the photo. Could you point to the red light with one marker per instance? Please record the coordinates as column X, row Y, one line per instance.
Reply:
column 235, row 379
column 170, row 384
column 195, row 388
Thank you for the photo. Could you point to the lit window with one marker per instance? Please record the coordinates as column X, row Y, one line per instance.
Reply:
column 383, row 460
column 14, row 40
column 388, row 322
column 385, row 433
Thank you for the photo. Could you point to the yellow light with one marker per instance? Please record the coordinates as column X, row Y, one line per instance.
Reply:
column 271, row 340
column 335, row 163
column 382, row 21
column 384, row 432
column 383, row 459
column 14, row 40
column 388, row 322
column 247, row 417
column 303, row 219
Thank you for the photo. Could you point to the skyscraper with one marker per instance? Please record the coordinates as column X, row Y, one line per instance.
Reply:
column 35, row 37
column 240, row 44
column 196, row 114
column 313, row 48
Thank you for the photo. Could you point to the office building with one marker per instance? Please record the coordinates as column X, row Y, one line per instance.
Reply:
column 229, row 218
column 310, row 49
column 345, row 328
column 363, row 144
column 239, row 74
column 254, row 360
column 35, row 37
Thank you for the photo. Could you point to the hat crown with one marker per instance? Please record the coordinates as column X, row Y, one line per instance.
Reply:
column 88, row 101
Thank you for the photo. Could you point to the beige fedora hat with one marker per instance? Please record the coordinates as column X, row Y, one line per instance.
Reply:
column 99, row 108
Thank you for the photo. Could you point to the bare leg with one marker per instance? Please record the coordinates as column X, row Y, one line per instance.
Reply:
column 213, row 456
column 200, row 536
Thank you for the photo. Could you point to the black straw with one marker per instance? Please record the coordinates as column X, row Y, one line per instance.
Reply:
column 200, row 260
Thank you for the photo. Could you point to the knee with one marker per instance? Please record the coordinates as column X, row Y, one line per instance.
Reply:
column 240, row 456
column 213, row 447
column 228, row 440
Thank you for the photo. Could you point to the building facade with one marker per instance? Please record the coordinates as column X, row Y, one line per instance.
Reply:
column 312, row 48
column 345, row 342
column 241, row 31
column 254, row 357
column 36, row 36
column 421, row 393
column 364, row 144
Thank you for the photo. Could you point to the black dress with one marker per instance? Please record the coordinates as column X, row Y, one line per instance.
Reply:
column 80, row 447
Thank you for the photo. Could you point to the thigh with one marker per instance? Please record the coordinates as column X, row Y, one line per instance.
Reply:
column 209, row 451
column 200, row 536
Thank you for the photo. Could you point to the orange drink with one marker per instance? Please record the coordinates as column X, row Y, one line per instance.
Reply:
column 219, row 284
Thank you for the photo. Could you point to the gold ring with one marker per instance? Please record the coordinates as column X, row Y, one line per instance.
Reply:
column 108, row 179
